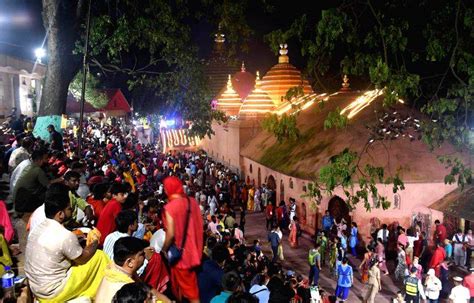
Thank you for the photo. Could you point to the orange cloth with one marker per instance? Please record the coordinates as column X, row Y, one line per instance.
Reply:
column 184, row 284
column 177, row 208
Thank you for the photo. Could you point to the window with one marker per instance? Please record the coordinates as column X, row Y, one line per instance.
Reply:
column 291, row 183
column 304, row 187
column 251, row 168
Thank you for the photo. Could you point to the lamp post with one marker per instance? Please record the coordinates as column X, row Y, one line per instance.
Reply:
column 84, row 77
column 39, row 54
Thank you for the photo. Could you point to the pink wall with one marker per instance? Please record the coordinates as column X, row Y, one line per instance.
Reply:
column 414, row 199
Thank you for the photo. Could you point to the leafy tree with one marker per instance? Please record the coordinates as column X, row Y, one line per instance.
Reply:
column 146, row 43
column 93, row 95
column 420, row 51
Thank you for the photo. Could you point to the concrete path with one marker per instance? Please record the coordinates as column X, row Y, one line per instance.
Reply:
column 296, row 260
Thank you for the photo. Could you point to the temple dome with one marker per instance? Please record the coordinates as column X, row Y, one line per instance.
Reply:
column 283, row 76
column 257, row 103
column 229, row 101
column 243, row 82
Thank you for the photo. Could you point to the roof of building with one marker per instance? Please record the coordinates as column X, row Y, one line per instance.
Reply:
column 117, row 103
column 405, row 153
column 458, row 203
column 283, row 76
column 257, row 103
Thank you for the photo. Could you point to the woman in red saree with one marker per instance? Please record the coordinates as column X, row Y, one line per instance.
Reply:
column 294, row 233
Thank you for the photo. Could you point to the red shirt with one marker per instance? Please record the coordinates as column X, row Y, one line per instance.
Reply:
column 97, row 206
column 177, row 209
column 106, row 224
column 469, row 283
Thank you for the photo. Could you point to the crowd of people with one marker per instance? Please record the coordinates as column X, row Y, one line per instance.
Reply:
column 124, row 222
column 122, row 213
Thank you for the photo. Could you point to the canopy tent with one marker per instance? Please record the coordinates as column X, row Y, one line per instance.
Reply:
column 117, row 105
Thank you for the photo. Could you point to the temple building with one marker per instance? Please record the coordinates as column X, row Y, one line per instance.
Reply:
column 388, row 137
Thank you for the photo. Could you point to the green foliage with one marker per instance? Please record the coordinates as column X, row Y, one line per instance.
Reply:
column 459, row 172
column 335, row 119
column 93, row 94
column 282, row 127
column 148, row 45
column 358, row 184
column 419, row 51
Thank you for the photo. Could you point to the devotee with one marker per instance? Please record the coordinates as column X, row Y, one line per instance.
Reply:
column 55, row 138
column 383, row 234
column 71, row 179
column 126, row 223
column 106, row 223
column 433, row 286
column 129, row 255
column 134, row 292
column 440, row 232
column 274, row 240
column 314, row 260
column 260, row 289
column 5, row 258
column 20, row 154
column 459, row 249
column 413, row 288
column 294, row 233
column 230, row 283
column 328, row 221
column 180, row 211
column 344, row 279
column 210, row 278
column 374, row 282
column 57, row 267
column 353, row 239
column 469, row 282
column 31, row 186
column 459, row 293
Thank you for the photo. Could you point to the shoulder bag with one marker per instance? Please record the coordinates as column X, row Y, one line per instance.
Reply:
column 175, row 253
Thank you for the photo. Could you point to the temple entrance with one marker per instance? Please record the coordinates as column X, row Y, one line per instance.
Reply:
column 271, row 183
column 338, row 209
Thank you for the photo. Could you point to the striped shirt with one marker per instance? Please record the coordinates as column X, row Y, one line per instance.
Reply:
column 110, row 242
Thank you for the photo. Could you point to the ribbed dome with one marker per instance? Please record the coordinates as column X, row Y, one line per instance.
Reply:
column 243, row 82
column 283, row 76
column 229, row 101
column 257, row 103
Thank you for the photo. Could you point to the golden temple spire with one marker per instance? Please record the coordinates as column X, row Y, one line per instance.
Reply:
column 229, row 85
column 257, row 80
column 345, row 83
column 242, row 69
column 219, row 36
column 284, row 54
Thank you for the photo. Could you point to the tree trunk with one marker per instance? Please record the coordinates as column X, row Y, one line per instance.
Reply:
column 62, row 21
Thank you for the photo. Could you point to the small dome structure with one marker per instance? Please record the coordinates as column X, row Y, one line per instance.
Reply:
column 283, row 76
column 257, row 103
column 229, row 101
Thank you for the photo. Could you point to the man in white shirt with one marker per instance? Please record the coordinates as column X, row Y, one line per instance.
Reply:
column 126, row 223
column 459, row 293
column 459, row 252
column 383, row 234
column 54, row 259
column 20, row 154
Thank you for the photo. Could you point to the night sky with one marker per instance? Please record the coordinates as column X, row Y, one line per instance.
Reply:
column 22, row 30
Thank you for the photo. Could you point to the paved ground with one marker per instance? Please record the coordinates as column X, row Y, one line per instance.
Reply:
column 296, row 259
